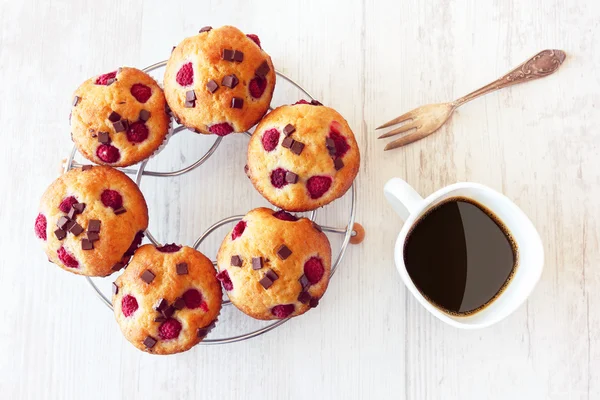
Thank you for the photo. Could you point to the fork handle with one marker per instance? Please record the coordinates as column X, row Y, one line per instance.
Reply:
column 542, row 64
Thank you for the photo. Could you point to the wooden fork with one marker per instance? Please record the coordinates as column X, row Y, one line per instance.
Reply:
column 427, row 119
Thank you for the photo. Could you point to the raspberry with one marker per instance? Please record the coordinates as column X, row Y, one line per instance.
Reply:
column 112, row 199
column 192, row 298
column 169, row 248
column 301, row 102
column 128, row 304
column 341, row 144
column 185, row 76
column 40, row 226
column 223, row 276
column 222, row 129
column 238, row 229
column 278, row 178
column 270, row 139
column 137, row 132
column 283, row 310
column 285, row 216
column 254, row 38
column 67, row 258
column 103, row 79
column 169, row 329
column 108, row 153
column 257, row 87
column 65, row 205
column 137, row 240
column 141, row 92
column 318, row 185
column 204, row 306
column 313, row 269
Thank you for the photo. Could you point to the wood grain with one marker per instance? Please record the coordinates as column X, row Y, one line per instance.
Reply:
column 538, row 143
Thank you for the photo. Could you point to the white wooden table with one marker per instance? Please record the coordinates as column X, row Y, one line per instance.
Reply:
column 538, row 143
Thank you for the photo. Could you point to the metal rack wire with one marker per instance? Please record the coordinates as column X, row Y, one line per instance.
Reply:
column 140, row 170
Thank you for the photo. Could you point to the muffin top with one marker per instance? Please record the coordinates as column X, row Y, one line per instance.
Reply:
column 91, row 219
column 274, row 265
column 219, row 81
column 302, row 156
column 119, row 118
column 168, row 298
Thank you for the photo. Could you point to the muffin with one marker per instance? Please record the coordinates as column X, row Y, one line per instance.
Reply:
column 119, row 118
column 91, row 220
column 219, row 81
column 302, row 156
column 168, row 299
column 274, row 265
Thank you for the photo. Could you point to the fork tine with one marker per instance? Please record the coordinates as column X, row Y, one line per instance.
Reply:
column 397, row 120
column 407, row 139
column 402, row 129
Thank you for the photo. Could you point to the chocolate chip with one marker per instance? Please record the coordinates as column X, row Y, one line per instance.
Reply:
column 271, row 275
column 227, row 55
column 173, row 49
column 202, row 332
column 262, row 70
column 317, row 227
column 287, row 142
column 76, row 229
column 212, row 86
column 71, row 213
column 230, row 81
column 237, row 102
column 144, row 115
column 246, row 168
column 86, row 244
column 205, row 29
column 316, row 103
column 190, row 95
column 62, row 222
column 94, row 225
column 76, row 100
column 257, row 263
column 291, row 177
column 114, row 117
column 304, row 282
column 149, row 342
column 236, row 261
column 60, row 234
column 121, row 125
column 110, row 81
column 161, row 305
column 266, row 282
column 314, row 302
column 304, row 297
column 169, row 311
column 289, row 129
column 118, row 266
column 160, row 319
column 329, row 143
column 182, row 268
column 115, row 288
column 338, row 164
column 179, row 303
column 79, row 207
column 284, row 252
column 238, row 56
column 120, row 211
column 188, row 104
column 147, row 276
column 86, row 167
column 297, row 147
column 103, row 137
column 69, row 225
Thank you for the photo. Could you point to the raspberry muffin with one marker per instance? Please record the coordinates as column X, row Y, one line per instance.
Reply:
column 219, row 81
column 119, row 118
column 168, row 299
column 302, row 156
column 91, row 220
column 274, row 265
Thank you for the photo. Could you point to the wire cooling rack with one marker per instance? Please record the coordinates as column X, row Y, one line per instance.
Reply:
column 140, row 171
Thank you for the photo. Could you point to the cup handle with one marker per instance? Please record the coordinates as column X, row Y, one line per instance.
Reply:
column 402, row 197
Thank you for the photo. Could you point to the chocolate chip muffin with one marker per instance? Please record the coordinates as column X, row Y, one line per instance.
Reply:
column 274, row 265
column 119, row 118
column 91, row 220
column 219, row 81
column 168, row 299
column 302, row 156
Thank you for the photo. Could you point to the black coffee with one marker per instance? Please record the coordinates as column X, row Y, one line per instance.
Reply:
column 460, row 256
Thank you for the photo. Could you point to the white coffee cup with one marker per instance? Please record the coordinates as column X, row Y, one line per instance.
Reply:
column 410, row 206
